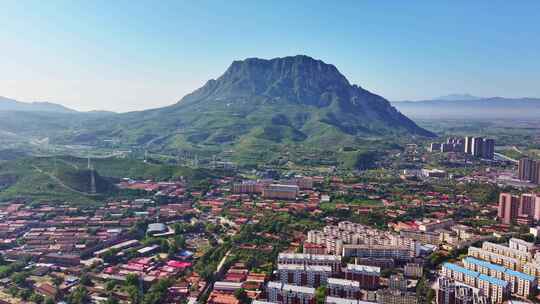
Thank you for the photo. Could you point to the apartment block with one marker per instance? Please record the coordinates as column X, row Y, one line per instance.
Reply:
column 392, row 296
column 496, row 289
column 377, row 251
column 520, row 284
column 280, row 191
column 342, row 288
column 495, row 258
column 304, row 275
column 334, row 261
column 367, row 276
column 522, row 257
column 290, row 294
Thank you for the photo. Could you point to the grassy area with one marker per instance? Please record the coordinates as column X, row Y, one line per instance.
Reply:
column 68, row 179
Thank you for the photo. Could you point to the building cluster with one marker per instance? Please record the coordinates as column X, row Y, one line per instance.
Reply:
column 444, row 233
column 495, row 271
column 529, row 170
column 521, row 209
column 327, row 260
column 452, row 144
column 359, row 241
column 237, row 277
column 300, row 274
column 453, row 292
column 475, row 146
column 270, row 189
column 166, row 189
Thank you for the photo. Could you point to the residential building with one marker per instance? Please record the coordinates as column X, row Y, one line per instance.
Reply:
column 508, row 208
column 468, row 144
column 452, row 292
column 304, row 275
column 290, row 294
column 367, row 276
column 342, row 288
column 334, row 261
column 280, row 191
column 477, row 145
column 521, row 284
column 435, row 224
column 397, row 281
column 522, row 257
column 392, row 296
column 496, row 289
column 247, row 187
column 488, row 148
column 377, row 251
column 522, row 245
column 413, row 270
column 529, row 170
column 495, row 258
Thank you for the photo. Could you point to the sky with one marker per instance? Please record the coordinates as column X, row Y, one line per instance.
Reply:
column 133, row 55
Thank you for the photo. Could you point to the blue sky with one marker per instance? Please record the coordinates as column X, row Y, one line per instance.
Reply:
column 132, row 55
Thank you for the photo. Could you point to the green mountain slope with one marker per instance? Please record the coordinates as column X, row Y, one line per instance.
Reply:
column 257, row 102
column 51, row 179
column 66, row 178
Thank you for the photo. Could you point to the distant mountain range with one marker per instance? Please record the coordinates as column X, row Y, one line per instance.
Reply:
column 454, row 97
column 7, row 104
column 41, row 118
column 471, row 107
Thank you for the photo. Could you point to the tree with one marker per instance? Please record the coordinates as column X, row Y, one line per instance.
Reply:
column 57, row 281
column 19, row 278
column 320, row 295
column 25, row 294
column 49, row 301
column 132, row 280
column 79, row 296
column 36, row 298
column 242, row 296
column 85, row 280
column 111, row 300
column 110, row 256
column 134, row 295
column 110, row 285
column 164, row 246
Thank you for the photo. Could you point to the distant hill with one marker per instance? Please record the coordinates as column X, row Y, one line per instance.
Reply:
column 262, row 102
column 41, row 118
column 477, row 108
column 454, row 97
column 7, row 104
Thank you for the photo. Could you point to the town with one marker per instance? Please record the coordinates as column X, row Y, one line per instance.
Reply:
column 288, row 238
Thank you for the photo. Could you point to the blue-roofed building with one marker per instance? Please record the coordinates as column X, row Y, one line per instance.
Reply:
column 520, row 283
column 497, row 289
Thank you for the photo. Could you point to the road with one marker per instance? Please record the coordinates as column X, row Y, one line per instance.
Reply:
column 217, row 275
column 506, row 157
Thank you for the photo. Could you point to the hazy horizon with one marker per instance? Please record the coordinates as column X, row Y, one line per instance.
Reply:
column 122, row 56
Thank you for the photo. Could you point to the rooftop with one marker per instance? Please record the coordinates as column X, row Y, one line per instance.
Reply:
column 511, row 272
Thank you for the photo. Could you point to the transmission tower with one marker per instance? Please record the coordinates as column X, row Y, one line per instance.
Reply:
column 92, row 177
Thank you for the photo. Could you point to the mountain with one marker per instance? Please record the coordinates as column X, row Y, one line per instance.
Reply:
column 7, row 104
column 479, row 108
column 42, row 119
column 454, row 97
column 259, row 102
